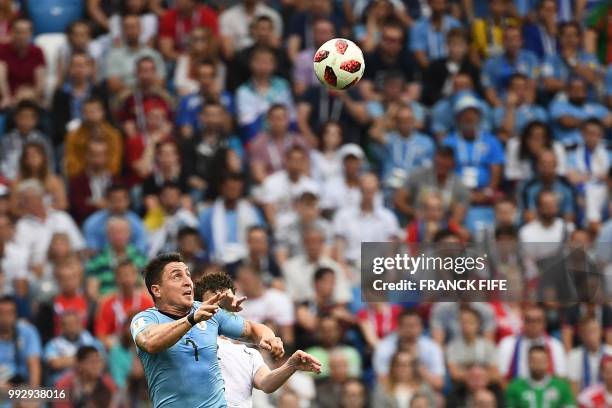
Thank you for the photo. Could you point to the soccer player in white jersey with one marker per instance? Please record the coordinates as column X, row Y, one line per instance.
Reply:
column 243, row 368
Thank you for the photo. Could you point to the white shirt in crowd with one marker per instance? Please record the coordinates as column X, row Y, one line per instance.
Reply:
column 239, row 365
column 575, row 364
column 518, row 169
column 13, row 265
column 429, row 353
column 507, row 346
column 299, row 279
column 235, row 23
column 35, row 234
column 536, row 232
column 280, row 191
column 274, row 305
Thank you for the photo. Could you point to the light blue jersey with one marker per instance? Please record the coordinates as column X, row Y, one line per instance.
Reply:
column 187, row 374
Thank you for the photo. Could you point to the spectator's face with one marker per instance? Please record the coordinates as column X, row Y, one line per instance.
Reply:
column 485, row 399
column 505, row 213
column 8, row 316
column 26, row 120
column 402, row 369
column 97, row 155
column 392, row 41
column 570, row 38
column 263, row 65
column 288, row 400
column 433, row 209
column 437, row 6
column 91, row 367
column 352, row 166
column 68, row 278
column 206, row 78
column 536, row 140
column 131, row 30
column 200, row 42
column 320, row 8
column 324, row 287
column 519, row 87
column 189, row 245
column 548, row 207
column 547, row 165
column 592, row 135
column 156, row 118
column 22, row 34
column 392, row 89
column 590, row 333
column 170, row 198
column 147, row 73
column 512, row 41
column 548, row 10
column 71, row 325
column 213, row 117
column 338, row 367
column 249, row 282
column 184, row 6
column 257, row 242
column 118, row 202
column 278, row 120
column 314, row 244
column 497, row 7
column 353, row 395
column 322, row 32
column 296, row 163
column 606, row 373
column 410, row 328
column 6, row 229
column 457, row 48
column 126, row 277
column 80, row 68
column 332, row 137
column 538, row 364
column 535, row 323
column 80, row 37
column 329, row 332
column 93, row 113
column 369, row 188
column 405, row 121
column 462, row 82
column 33, row 203
column 443, row 164
column 577, row 92
column 118, row 233
column 469, row 323
column 468, row 121
column 232, row 189
column 308, row 209
column 167, row 156
column 263, row 32
column 476, row 378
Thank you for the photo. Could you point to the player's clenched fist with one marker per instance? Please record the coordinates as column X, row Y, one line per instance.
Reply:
column 274, row 345
column 209, row 307
column 302, row 361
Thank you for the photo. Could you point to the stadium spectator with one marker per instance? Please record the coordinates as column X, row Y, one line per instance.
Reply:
column 342, row 191
column 70, row 296
column 223, row 225
column 540, row 384
column 148, row 22
column 59, row 352
column 22, row 68
column 325, row 161
column 87, row 383
column 36, row 227
column 88, row 189
column 488, row 33
column 329, row 389
column 299, row 34
column 522, row 151
column 476, row 388
column 202, row 46
column 20, row 346
column 121, row 62
column 259, row 257
column 265, row 304
column 117, row 204
column 541, row 35
column 303, row 73
column 263, row 89
column 514, row 352
column 14, row 267
column 102, row 268
column 177, row 22
column 444, row 320
column 125, row 367
column 93, row 126
column 78, row 40
column 429, row 220
column 12, row 144
column 586, row 361
column 128, row 299
column 189, row 244
column 409, row 337
column 8, row 13
column 598, row 395
column 44, row 287
column 354, row 394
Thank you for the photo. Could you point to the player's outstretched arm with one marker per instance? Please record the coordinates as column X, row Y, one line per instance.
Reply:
column 156, row 338
column 263, row 336
column 270, row 381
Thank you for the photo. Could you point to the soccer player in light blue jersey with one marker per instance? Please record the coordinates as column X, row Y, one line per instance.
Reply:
column 177, row 339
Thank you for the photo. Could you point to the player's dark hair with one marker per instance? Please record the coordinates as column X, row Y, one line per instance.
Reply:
column 232, row 176
column 213, row 282
column 518, row 75
column 153, row 271
column 85, row 351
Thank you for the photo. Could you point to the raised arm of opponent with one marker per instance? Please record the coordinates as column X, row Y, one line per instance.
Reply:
column 271, row 380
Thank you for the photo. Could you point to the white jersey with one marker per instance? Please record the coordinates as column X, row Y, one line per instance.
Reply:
column 239, row 364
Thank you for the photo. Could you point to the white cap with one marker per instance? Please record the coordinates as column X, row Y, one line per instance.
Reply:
column 467, row 102
column 351, row 149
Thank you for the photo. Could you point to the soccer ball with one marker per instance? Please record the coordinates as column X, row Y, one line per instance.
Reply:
column 339, row 63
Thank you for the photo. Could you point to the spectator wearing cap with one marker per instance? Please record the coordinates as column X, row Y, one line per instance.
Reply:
column 20, row 348
column 267, row 151
column 93, row 126
column 120, row 68
column 497, row 69
column 280, row 189
column 114, row 309
column 568, row 111
column 190, row 106
column 38, row 224
column 428, row 34
column 117, row 204
column 12, row 143
column 14, row 268
column 260, row 257
column 165, row 224
column 303, row 75
column 343, row 190
column 263, row 89
column 598, row 395
column 406, row 149
column 130, row 105
column 101, row 268
column 571, row 60
column 441, row 179
column 177, row 22
column 588, row 167
column 59, row 352
column 366, row 222
column 224, row 225
column 22, row 68
column 479, row 156
column 518, row 109
column 88, row 189
column 290, row 230
column 546, row 178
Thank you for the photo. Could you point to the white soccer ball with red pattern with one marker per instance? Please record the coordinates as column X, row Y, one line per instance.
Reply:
column 339, row 63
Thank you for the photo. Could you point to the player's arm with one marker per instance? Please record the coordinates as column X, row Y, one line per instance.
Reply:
column 271, row 380
column 156, row 338
column 263, row 336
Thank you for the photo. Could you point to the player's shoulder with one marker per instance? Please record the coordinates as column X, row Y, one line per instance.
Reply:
column 148, row 314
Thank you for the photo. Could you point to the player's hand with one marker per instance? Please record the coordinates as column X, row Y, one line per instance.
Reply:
column 274, row 345
column 208, row 308
column 232, row 303
column 303, row 361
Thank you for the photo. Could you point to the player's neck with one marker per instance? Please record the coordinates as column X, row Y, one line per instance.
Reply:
column 173, row 311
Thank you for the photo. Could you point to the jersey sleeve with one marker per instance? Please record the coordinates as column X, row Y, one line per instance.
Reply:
column 230, row 324
column 141, row 321
column 258, row 361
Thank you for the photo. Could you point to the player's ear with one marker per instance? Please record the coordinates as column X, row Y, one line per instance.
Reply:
column 156, row 290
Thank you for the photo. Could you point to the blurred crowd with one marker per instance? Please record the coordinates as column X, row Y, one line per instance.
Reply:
column 134, row 127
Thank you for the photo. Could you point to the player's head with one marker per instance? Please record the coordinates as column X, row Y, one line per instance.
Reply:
column 538, row 362
column 213, row 283
column 168, row 280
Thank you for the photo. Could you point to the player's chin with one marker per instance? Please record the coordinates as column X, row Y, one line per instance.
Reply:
column 188, row 297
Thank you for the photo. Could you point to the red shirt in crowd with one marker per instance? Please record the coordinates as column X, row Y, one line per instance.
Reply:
column 101, row 395
column 21, row 68
column 171, row 25
column 114, row 311
column 383, row 320
column 63, row 303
